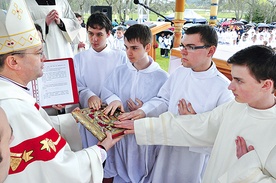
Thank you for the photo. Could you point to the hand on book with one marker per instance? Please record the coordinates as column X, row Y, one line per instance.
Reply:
column 94, row 102
column 127, row 124
column 111, row 108
column 134, row 105
column 137, row 114
column 97, row 122
column 108, row 142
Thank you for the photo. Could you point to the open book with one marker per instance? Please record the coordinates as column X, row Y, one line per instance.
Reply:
column 57, row 85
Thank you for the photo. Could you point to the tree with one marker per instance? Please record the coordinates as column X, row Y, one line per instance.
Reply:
column 255, row 14
column 4, row 4
column 252, row 8
column 272, row 13
column 239, row 7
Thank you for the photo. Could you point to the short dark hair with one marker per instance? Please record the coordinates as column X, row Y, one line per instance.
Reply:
column 38, row 28
column 207, row 33
column 78, row 15
column 120, row 28
column 140, row 33
column 99, row 20
column 2, row 60
column 260, row 60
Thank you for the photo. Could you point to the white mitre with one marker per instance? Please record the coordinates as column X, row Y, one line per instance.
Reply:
column 17, row 30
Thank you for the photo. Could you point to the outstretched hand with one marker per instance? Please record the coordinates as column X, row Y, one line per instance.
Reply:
column 127, row 124
column 94, row 102
column 111, row 108
column 137, row 114
column 241, row 147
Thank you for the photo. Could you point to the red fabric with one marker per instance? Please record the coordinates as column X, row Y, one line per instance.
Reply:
column 37, row 106
column 42, row 148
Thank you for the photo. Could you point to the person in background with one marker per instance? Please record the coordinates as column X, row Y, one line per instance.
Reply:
column 161, row 41
column 81, row 42
column 46, row 148
column 198, row 83
column 94, row 65
column 119, row 39
column 167, row 43
column 59, row 26
column 80, row 19
column 141, row 79
column 242, row 132
column 6, row 137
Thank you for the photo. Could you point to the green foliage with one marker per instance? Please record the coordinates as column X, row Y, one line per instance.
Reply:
column 258, row 16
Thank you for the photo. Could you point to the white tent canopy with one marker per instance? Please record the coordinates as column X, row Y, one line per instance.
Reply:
column 190, row 16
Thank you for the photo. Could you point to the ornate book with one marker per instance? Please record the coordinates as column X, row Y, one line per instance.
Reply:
column 98, row 123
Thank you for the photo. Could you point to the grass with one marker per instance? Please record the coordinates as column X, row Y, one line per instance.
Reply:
column 163, row 62
column 153, row 17
column 206, row 14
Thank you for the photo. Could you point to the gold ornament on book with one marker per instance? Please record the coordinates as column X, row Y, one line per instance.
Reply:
column 98, row 123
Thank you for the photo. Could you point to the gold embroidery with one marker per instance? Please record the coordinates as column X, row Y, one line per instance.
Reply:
column 17, row 11
column 15, row 163
column 16, row 158
column 27, row 156
column 16, row 155
column 48, row 143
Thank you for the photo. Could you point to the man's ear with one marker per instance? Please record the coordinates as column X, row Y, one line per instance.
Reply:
column 108, row 33
column 12, row 63
column 148, row 47
column 212, row 51
column 268, row 85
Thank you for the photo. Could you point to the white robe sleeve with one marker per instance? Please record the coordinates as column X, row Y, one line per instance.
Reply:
column 66, row 125
column 249, row 169
column 184, row 130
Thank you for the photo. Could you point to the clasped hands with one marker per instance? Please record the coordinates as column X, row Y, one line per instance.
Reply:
column 52, row 16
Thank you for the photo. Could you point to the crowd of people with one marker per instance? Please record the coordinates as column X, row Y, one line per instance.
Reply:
column 239, row 36
column 192, row 126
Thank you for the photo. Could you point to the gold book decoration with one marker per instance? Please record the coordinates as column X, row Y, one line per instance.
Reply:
column 98, row 123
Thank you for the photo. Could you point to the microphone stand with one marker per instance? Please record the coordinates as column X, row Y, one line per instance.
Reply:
column 145, row 6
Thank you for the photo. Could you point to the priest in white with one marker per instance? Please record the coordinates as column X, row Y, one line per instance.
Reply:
column 59, row 26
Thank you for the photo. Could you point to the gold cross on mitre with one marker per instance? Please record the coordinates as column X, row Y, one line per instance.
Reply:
column 17, row 30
